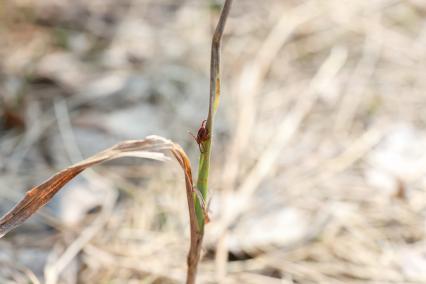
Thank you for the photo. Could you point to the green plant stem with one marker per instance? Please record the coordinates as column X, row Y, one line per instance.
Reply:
column 204, row 161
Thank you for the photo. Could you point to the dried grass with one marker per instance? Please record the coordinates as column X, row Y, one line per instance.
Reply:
column 299, row 130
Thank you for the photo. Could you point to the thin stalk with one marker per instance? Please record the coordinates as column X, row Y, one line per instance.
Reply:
column 204, row 161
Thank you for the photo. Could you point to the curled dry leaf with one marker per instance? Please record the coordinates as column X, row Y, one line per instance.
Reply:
column 150, row 148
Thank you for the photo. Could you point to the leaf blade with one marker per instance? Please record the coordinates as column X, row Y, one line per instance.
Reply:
column 39, row 195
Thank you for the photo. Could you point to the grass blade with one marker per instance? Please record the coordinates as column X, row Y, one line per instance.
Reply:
column 38, row 196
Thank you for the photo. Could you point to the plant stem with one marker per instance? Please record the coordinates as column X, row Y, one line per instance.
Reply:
column 204, row 161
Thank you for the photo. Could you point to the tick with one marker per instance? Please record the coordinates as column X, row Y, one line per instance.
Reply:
column 202, row 135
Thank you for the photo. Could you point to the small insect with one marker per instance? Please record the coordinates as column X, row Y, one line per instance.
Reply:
column 202, row 135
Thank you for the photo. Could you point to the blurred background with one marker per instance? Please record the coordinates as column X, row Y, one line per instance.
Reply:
column 319, row 161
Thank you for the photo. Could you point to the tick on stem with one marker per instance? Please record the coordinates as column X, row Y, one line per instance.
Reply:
column 202, row 135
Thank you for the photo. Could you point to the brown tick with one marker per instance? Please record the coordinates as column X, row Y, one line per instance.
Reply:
column 202, row 135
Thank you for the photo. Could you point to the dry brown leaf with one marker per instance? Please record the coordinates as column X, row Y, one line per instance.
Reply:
column 149, row 148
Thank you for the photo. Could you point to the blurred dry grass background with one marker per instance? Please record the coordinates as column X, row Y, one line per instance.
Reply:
column 318, row 165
